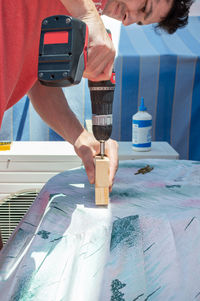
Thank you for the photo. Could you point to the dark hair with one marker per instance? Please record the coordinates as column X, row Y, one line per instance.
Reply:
column 177, row 16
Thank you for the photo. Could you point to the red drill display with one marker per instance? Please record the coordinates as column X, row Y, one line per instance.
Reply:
column 62, row 61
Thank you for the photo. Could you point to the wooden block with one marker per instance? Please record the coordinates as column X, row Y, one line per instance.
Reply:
column 101, row 180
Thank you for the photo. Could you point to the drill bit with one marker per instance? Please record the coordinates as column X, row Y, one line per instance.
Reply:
column 102, row 148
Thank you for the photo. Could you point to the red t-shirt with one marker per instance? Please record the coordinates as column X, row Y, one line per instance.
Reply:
column 20, row 26
column 100, row 4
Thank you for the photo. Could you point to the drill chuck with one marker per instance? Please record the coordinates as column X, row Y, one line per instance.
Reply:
column 102, row 94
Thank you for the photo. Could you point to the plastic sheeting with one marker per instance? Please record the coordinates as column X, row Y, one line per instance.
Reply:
column 143, row 246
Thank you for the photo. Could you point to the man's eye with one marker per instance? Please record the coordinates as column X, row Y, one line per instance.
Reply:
column 144, row 7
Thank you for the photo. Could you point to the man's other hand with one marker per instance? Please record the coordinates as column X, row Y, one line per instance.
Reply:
column 87, row 147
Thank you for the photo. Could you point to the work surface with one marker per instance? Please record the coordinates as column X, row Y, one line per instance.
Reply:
column 144, row 246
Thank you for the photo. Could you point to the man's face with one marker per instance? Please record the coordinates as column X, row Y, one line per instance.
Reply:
column 138, row 11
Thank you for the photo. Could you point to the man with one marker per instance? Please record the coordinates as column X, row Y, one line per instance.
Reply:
column 19, row 41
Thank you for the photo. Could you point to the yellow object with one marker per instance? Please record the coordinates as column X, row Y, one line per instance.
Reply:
column 5, row 146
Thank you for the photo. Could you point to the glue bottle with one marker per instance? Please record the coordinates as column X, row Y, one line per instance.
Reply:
column 141, row 129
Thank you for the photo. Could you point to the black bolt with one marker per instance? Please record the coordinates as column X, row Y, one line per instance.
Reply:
column 68, row 20
column 45, row 22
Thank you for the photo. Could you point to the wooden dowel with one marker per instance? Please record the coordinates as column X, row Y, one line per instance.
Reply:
column 101, row 180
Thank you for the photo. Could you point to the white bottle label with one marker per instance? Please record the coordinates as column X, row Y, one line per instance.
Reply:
column 141, row 133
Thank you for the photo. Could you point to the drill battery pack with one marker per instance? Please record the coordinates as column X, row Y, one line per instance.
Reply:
column 62, row 51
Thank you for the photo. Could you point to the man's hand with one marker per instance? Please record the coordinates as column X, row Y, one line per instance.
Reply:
column 101, row 52
column 87, row 147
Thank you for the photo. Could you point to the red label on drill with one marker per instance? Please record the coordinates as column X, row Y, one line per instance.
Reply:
column 112, row 78
column 57, row 37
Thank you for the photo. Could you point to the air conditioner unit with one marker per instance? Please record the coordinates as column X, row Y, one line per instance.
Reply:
column 12, row 209
column 24, row 169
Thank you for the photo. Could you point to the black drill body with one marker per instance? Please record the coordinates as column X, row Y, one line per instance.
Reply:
column 102, row 95
column 62, row 60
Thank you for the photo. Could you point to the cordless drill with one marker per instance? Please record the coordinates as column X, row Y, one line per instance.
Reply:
column 62, row 61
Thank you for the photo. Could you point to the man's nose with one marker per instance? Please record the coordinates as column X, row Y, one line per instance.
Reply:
column 133, row 17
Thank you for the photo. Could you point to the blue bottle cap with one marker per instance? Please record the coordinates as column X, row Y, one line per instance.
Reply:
column 142, row 106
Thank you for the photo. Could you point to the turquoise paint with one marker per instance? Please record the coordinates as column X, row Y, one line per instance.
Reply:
column 44, row 234
column 124, row 231
column 116, row 286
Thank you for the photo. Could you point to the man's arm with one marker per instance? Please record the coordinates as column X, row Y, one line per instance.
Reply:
column 101, row 52
column 52, row 106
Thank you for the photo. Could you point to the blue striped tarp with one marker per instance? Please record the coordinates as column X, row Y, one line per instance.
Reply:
column 164, row 69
